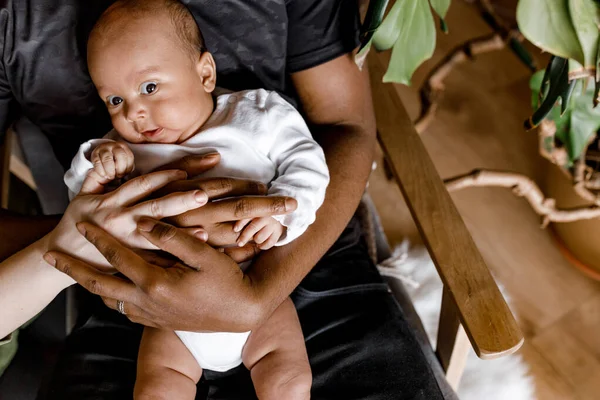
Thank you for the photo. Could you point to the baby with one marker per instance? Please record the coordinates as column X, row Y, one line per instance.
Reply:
column 148, row 63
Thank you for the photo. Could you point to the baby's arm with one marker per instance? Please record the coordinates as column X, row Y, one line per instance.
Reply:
column 301, row 173
column 97, row 163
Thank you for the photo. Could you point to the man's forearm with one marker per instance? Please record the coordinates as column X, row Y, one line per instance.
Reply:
column 349, row 153
column 18, row 231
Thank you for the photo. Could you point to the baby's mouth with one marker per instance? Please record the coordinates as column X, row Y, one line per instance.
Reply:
column 152, row 132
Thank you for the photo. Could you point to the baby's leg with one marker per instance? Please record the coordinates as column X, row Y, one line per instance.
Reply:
column 276, row 356
column 165, row 369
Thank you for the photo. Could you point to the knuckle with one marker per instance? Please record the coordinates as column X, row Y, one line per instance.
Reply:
column 155, row 208
column 154, row 288
column 165, row 232
column 93, row 286
column 65, row 267
column 278, row 205
column 112, row 255
column 144, row 183
column 242, row 208
column 225, row 184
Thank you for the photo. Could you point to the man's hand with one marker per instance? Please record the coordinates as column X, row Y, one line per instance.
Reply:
column 242, row 200
column 205, row 291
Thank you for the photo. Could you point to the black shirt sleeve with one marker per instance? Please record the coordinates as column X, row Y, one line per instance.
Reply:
column 319, row 31
column 6, row 97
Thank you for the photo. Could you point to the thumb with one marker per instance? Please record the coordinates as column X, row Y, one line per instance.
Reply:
column 93, row 183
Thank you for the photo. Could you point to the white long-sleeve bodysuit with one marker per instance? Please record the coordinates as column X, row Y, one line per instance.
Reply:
column 260, row 137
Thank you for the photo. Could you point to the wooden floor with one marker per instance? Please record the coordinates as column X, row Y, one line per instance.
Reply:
column 479, row 124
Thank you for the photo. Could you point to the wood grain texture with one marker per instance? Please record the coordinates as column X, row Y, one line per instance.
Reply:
column 452, row 347
column 484, row 314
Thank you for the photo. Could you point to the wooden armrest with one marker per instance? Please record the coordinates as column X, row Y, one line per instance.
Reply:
column 485, row 316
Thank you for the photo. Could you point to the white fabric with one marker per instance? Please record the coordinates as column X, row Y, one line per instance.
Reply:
column 260, row 137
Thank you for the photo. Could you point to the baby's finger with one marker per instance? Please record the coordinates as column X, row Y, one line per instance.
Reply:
column 239, row 225
column 270, row 242
column 121, row 161
column 108, row 162
column 250, row 230
column 97, row 162
column 93, row 183
column 241, row 254
column 264, row 234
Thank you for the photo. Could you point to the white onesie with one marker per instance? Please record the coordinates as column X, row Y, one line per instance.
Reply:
column 260, row 137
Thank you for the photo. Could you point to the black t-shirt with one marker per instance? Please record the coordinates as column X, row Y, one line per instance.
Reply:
column 255, row 43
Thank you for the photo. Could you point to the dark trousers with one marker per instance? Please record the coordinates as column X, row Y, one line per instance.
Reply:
column 359, row 343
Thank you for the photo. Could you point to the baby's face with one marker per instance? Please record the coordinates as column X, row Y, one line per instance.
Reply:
column 152, row 89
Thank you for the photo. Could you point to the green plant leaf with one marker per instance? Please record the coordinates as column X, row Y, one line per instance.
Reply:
column 415, row 43
column 555, row 85
column 547, row 24
column 584, row 16
column 563, row 122
column 372, row 21
column 440, row 7
column 388, row 32
column 585, row 122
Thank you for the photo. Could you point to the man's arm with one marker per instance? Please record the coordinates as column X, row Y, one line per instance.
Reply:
column 336, row 98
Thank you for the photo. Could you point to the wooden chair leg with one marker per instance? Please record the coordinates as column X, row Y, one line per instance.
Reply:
column 452, row 342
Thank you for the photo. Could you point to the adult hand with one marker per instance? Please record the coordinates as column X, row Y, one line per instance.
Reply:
column 241, row 200
column 205, row 291
column 117, row 212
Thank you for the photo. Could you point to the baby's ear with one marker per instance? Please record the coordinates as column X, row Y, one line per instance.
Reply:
column 207, row 71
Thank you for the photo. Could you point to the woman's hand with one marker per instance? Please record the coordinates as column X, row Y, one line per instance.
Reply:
column 118, row 212
column 206, row 291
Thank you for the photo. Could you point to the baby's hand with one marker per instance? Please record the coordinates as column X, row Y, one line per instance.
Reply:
column 112, row 160
column 265, row 231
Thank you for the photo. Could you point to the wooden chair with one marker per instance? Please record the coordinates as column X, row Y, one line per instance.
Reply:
column 473, row 311
column 12, row 161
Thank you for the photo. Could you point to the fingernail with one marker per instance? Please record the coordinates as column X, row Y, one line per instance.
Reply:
column 81, row 228
column 241, row 244
column 146, row 225
column 49, row 259
column 211, row 156
column 181, row 174
column 200, row 197
column 237, row 228
column 289, row 204
column 221, row 249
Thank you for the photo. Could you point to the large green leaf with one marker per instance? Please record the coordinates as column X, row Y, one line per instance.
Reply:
column 584, row 16
column 388, row 32
column 415, row 43
column 547, row 24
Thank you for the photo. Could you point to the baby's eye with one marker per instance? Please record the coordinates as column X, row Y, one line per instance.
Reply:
column 148, row 87
column 114, row 100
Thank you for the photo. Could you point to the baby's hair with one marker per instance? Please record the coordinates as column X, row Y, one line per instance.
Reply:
column 183, row 22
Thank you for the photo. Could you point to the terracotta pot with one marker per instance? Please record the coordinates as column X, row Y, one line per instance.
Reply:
column 579, row 241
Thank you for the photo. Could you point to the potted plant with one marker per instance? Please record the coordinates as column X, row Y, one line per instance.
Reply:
column 564, row 97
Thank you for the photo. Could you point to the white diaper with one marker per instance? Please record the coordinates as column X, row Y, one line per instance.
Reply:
column 218, row 351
